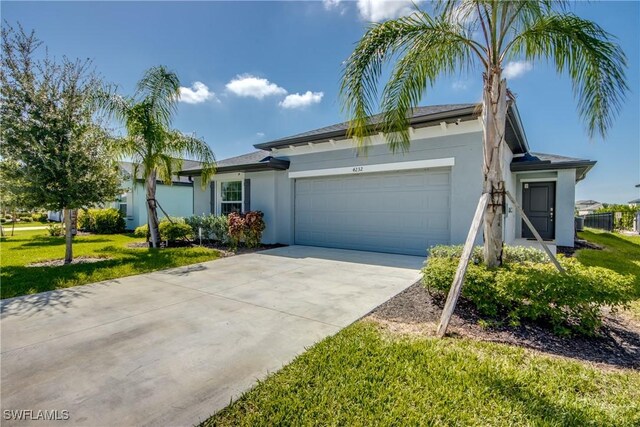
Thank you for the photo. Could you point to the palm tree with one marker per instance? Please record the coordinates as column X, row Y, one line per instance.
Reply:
column 464, row 34
column 152, row 146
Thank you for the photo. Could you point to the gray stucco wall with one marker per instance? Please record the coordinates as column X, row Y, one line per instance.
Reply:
column 263, row 191
column 466, row 174
column 565, row 205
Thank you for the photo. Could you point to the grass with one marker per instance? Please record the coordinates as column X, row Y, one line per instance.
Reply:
column 7, row 226
column 31, row 246
column 365, row 376
column 621, row 253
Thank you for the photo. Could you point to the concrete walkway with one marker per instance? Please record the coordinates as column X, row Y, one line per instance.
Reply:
column 172, row 347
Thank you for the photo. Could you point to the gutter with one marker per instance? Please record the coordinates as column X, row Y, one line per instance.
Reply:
column 269, row 163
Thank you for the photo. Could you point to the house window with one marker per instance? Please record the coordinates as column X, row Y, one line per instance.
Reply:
column 230, row 197
column 122, row 207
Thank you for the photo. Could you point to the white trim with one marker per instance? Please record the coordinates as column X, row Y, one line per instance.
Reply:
column 380, row 167
column 538, row 179
column 434, row 131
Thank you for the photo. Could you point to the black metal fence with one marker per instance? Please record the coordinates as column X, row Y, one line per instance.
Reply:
column 603, row 221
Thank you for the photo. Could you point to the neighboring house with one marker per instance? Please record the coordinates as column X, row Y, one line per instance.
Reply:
column 316, row 189
column 176, row 199
column 634, row 202
column 585, row 207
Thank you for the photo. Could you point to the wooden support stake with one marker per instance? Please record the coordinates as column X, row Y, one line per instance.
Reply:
column 456, row 287
column 536, row 234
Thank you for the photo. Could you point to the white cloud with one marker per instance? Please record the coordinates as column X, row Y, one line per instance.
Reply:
column 196, row 94
column 295, row 100
column 516, row 69
column 259, row 134
column 247, row 85
column 381, row 10
column 331, row 4
column 459, row 85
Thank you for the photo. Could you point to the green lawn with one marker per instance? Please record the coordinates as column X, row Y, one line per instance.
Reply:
column 364, row 376
column 32, row 246
column 7, row 226
column 621, row 253
column 367, row 376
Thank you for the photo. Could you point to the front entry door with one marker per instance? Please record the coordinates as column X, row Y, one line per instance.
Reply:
column 539, row 204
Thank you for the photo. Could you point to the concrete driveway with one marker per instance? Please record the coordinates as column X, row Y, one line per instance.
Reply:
column 172, row 347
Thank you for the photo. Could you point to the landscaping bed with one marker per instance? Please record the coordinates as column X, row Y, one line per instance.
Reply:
column 416, row 311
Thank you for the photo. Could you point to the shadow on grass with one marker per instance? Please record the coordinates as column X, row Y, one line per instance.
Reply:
column 21, row 280
column 43, row 241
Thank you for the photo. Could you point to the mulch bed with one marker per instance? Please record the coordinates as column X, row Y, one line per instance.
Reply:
column 578, row 244
column 417, row 311
column 60, row 262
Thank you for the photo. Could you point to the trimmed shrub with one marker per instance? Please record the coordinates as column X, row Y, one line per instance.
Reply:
column 523, row 289
column 101, row 221
column 213, row 227
column 109, row 221
column 509, row 253
column 174, row 231
column 26, row 219
column 39, row 217
column 141, row 231
column 55, row 230
column 169, row 232
column 2, row 220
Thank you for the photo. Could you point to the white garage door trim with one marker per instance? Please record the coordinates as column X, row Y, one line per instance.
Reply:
column 381, row 167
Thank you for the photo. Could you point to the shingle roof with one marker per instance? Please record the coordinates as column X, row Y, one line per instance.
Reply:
column 543, row 161
column 256, row 160
column 244, row 159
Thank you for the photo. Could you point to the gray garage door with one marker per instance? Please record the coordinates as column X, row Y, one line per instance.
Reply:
column 398, row 212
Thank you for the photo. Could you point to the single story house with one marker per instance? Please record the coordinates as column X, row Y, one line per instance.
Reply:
column 317, row 189
column 176, row 199
column 585, row 207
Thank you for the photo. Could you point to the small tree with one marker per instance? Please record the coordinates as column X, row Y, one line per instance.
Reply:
column 63, row 158
column 155, row 148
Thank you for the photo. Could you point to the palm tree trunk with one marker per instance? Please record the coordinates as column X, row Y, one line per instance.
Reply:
column 494, row 113
column 68, row 253
column 152, row 212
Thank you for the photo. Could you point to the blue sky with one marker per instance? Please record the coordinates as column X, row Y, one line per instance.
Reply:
column 256, row 71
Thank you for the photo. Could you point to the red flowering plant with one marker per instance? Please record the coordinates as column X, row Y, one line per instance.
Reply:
column 253, row 227
column 236, row 229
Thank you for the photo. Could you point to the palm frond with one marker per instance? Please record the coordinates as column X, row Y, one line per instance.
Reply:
column 160, row 89
column 441, row 50
column 380, row 44
column 588, row 54
column 191, row 147
column 115, row 106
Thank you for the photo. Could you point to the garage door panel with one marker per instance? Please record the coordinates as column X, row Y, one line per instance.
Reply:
column 401, row 212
